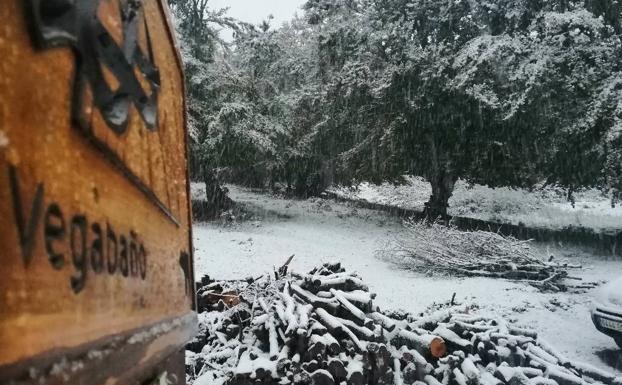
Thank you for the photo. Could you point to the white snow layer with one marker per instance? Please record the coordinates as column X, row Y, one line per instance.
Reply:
column 545, row 207
column 317, row 231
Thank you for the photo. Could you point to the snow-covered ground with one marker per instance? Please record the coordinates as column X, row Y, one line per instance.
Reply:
column 546, row 207
column 317, row 230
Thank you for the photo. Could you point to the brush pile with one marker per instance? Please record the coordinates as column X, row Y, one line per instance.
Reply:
column 322, row 328
column 443, row 249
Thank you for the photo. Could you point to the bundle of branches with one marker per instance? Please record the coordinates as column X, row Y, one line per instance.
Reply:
column 446, row 249
column 322, row 328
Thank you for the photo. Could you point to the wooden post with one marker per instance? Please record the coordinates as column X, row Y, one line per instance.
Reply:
column 94, row 194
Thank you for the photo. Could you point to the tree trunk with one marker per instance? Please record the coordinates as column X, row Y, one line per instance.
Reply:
column 442, row 180
column 442, row 188
column 217, row 200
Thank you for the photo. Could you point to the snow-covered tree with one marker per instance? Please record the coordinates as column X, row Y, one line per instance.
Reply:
column 198, row 29
column 499, row 93
column 502, row 93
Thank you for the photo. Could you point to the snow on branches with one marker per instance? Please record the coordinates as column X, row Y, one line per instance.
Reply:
column 447, row 250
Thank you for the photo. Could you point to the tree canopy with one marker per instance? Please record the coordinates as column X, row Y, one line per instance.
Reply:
column 502, row 93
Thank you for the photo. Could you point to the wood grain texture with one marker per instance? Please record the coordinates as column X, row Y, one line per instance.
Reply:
column 64, row 187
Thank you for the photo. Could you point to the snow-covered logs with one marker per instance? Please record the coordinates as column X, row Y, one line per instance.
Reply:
column 322, row 328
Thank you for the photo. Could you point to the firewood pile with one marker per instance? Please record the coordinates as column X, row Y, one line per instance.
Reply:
column 322, row 328
column 435, row 248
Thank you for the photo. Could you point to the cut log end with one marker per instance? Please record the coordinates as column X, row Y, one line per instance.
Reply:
column 438, row 348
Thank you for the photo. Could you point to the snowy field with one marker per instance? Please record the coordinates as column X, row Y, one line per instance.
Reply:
column 317, row 230
column 546, row 207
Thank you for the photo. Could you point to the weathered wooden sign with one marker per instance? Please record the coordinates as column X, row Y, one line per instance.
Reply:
column 96, row 280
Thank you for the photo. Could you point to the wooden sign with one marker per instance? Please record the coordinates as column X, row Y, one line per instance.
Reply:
column 96, row 280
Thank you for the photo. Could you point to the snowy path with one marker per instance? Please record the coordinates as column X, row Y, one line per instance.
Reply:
column 317, row 231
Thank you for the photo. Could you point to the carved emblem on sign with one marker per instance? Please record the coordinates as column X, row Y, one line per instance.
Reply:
column 61, row 23
column 116, row 87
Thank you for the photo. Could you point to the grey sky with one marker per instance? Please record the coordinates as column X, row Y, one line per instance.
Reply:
column 254, row 11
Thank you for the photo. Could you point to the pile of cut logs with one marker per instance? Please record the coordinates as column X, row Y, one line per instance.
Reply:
column 322, row 328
